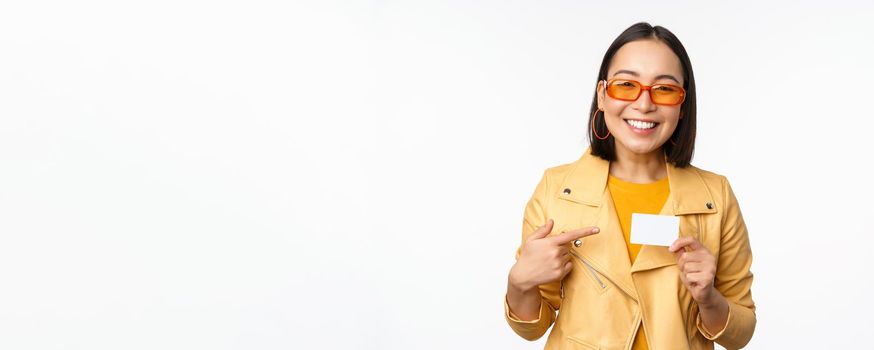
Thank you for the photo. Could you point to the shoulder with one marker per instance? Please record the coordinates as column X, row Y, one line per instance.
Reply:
column 712, row 179
column 718, row 185
column 557, row 173
column 552, row 177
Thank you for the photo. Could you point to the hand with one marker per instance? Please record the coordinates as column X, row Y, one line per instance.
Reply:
column 697, row 269
column 545, row 258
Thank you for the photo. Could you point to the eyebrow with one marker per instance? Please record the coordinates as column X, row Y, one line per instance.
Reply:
column 661, row 76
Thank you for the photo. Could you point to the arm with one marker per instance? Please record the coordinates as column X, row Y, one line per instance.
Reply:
column 530, row 310
column 733, row 281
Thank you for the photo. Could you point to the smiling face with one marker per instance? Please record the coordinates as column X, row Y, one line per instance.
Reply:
column 649, row 62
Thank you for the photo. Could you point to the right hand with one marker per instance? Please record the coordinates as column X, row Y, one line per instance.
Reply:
column 545, row 258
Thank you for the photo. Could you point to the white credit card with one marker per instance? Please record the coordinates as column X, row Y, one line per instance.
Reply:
column 654, row 229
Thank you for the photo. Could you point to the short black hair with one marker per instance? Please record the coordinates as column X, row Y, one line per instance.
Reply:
column 680, row 155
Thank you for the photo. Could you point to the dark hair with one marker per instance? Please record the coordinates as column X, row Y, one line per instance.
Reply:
column 680, row 155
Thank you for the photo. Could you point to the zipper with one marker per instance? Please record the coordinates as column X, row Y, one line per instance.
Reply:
column 637, row 317
column 591, row 270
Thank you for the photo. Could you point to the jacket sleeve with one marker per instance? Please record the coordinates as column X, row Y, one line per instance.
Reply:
column 535, row 216
column 733, row 277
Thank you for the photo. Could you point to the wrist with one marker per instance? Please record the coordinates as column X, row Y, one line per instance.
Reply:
column 714, row 301
column 518, row 286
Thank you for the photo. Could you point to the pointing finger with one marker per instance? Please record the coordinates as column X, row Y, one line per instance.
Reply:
column 569, row 236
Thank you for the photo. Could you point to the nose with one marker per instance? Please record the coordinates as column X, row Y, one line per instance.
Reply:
column 644, row 102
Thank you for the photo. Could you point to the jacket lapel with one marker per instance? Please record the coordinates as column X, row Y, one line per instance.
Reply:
column 688, row 195
column 605, row 251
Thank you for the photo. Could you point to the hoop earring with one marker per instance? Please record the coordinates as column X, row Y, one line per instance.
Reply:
column 593, row 127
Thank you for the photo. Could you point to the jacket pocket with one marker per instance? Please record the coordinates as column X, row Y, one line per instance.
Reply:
column 578, row 344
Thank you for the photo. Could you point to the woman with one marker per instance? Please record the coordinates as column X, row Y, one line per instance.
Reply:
column 576, row 256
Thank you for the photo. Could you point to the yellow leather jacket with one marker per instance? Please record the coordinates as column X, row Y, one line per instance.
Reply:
column 601, row 302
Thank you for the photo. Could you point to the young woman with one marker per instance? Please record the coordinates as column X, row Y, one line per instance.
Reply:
column 576, row 256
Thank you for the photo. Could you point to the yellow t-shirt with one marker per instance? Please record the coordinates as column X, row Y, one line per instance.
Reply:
column 630, row 197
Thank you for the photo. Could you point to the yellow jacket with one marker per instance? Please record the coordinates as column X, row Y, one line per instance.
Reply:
column 603, row 299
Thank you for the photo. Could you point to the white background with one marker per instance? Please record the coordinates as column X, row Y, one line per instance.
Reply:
column 296, row 175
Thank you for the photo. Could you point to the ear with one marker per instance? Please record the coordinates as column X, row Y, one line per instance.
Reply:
column 599, row 89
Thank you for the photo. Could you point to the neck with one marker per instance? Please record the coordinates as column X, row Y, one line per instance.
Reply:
column 638, row 168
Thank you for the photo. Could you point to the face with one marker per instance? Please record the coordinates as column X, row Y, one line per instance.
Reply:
column 649, row 62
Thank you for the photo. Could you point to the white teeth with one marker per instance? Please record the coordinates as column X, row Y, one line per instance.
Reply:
column 640, row 124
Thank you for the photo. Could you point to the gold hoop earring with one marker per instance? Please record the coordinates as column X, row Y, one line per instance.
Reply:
column 594, row 115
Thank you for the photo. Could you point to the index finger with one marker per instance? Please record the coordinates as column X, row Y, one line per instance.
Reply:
column 569, row 236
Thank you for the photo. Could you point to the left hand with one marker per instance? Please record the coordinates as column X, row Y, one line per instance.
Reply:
column 697, row 269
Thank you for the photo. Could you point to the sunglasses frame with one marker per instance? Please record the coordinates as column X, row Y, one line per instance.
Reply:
column 645, row 88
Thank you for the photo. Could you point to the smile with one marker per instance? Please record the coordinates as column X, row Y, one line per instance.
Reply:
column 641, row 124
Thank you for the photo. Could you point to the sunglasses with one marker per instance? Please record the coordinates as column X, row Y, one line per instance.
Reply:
column 660, row 94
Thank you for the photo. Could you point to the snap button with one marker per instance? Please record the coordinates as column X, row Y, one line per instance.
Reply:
column 567, row 191
column 709, row 205
column 578, row 243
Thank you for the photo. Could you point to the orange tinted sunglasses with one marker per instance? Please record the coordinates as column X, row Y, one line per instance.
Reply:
column 660, row 94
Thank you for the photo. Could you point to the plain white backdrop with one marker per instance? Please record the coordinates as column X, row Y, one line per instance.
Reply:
column 352, row 175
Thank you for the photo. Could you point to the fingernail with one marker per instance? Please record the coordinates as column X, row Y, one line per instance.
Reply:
column 596, row 230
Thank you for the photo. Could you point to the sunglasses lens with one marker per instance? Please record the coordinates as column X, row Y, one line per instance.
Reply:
column 629, row 90
column 624, row 90
column 666, row 94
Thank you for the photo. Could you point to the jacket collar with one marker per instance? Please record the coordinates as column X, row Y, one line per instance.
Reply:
column 587, row 183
